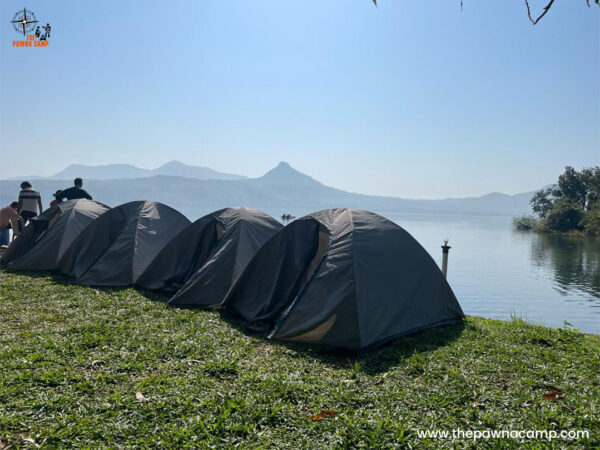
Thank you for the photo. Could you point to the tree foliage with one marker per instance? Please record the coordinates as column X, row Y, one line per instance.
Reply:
column 542, row 202
column 573, row 186
column 582, row 188
column 591, row 179
column 571, row 204
column 591, row 222
column 565, row 215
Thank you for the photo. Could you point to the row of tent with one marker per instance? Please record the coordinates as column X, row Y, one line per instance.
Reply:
column 340, row 277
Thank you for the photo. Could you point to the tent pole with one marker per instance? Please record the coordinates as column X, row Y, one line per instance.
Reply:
column 445, row 250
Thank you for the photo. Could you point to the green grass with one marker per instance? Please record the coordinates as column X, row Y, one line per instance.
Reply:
column 73, row 358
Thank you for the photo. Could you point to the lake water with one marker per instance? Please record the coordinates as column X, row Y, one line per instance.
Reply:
column 496, row 271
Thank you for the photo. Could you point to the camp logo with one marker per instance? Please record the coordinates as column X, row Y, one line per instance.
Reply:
column 25, row 22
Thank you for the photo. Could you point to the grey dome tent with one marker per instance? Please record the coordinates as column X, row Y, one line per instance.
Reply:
column 342, row 277
column 204, row 259
column 116, row 248
column 46, row 238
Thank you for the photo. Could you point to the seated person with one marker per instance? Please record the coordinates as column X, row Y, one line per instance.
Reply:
column 30, row 201
column 55, row 201
column 9, row 218
column 74, row 192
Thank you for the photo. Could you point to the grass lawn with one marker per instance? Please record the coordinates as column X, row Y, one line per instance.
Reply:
column 115, row 367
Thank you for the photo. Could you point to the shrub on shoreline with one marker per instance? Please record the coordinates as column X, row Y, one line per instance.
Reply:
column 525, row 223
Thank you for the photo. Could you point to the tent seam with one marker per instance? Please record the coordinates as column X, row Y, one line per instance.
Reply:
column 73, row 210
column 95, row 260
column 354, row 279
column 133, row 247
column 285, row 314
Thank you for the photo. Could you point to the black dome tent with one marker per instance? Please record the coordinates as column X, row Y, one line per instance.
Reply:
column 342, row 277
column 116, row 248
column 204, row 259
column 46, row 238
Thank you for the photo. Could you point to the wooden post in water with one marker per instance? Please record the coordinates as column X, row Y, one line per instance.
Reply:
column 445, row 250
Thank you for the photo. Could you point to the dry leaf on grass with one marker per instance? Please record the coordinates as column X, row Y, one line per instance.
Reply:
column 553, row 396
column 323, row 414
column 140, row 397
column 478, row 405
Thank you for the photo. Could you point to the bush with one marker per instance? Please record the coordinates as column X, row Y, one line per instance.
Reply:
column 525, row 222
column 564, row 216
column 591, row 222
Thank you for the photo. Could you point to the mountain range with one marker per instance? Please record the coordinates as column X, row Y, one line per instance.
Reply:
column 281, row 190
column 126, row 171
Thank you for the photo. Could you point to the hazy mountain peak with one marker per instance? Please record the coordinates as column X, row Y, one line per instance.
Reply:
column 284, row 168
column 179, row 169
column 173, row 163
column 287, row 175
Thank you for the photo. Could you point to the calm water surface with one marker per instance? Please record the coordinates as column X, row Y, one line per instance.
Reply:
column 496, row 271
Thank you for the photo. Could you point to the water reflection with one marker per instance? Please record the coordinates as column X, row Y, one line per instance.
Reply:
column 574, row 262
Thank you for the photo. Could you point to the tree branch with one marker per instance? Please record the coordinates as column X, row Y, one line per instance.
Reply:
column 546, row 9
column 531, row 19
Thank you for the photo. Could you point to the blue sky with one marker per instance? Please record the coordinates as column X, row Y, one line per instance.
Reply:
column 413, row 98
